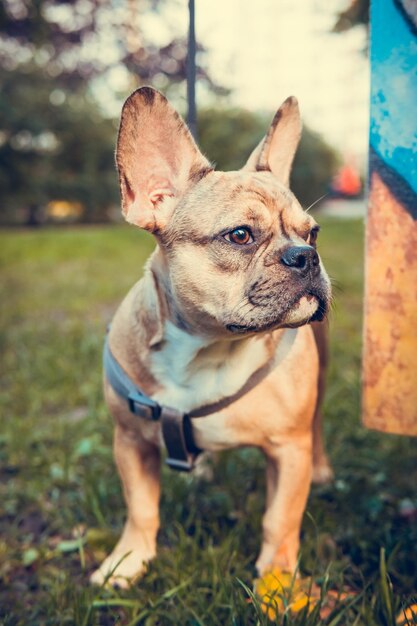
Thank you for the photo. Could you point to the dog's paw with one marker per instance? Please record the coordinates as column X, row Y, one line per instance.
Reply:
column 322, row 473
column 120, row 570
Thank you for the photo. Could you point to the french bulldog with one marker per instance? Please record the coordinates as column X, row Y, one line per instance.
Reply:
column 233, row 284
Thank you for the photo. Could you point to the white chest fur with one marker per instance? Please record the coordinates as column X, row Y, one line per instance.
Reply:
column 195, row 371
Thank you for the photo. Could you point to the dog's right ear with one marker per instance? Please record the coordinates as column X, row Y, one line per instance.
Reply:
column 156, row 157
column 275, row 153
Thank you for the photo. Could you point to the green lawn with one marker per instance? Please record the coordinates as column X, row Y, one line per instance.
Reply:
column 61, row 507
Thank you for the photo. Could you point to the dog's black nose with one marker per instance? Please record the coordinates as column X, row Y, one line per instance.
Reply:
column 301, row 258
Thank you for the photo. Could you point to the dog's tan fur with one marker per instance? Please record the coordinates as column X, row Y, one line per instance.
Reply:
column 208, row 313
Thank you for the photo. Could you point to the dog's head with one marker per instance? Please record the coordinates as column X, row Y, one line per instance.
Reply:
column 237, row 250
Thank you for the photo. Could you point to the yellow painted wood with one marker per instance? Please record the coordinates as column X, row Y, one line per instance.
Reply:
column 390, row 333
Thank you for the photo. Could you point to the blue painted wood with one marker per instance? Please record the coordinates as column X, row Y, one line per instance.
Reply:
column 393, row 128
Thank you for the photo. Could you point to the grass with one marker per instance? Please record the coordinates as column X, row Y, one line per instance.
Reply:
column 61, row 507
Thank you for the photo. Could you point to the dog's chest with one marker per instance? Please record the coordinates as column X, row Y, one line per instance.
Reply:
column 193, row 372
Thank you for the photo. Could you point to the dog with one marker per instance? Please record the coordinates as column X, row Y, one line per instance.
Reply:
column 227, row 296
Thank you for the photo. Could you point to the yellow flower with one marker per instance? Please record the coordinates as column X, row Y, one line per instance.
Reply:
column 408, row 615
column 279, row 592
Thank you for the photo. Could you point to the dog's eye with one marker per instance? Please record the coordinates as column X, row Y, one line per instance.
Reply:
column 241, row 236
column 314, row 232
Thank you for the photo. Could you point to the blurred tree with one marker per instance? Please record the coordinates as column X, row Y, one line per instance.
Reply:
column 356, row 14
column 315, row 164
column 53, row 143
column 227, row 137
column 75, row 40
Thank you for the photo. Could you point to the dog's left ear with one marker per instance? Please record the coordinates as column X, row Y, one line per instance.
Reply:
column 276, row 151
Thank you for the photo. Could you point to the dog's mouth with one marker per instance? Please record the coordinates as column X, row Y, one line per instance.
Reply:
column 242, row 329
column 321, row 312
column 285, row 320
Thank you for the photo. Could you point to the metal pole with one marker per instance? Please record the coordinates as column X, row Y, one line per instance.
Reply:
column 192, row 111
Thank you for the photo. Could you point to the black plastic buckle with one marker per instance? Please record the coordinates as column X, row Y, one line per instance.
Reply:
column 144, row 407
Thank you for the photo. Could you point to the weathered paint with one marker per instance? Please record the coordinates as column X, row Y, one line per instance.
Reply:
column 390, row 336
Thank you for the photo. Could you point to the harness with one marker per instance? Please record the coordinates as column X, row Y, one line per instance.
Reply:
column 177, row 428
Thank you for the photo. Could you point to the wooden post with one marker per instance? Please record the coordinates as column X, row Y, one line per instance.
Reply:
column 191, row 72
column 390, row 335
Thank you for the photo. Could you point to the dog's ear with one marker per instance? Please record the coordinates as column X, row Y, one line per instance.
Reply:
column 156, row 157
column 277, row 149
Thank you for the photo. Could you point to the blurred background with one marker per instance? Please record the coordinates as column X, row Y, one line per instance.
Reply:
column 67, row 66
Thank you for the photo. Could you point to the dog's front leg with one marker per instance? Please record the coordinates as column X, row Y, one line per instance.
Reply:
column 138, row 463
column 289, row 469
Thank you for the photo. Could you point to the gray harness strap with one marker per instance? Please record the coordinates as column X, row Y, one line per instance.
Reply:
column 176, row 426
column 139, row 403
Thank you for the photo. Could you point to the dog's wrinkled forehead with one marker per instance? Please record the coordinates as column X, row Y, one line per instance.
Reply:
column 231, row 199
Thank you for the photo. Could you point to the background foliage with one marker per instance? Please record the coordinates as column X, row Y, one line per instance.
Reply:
column 57, row 135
